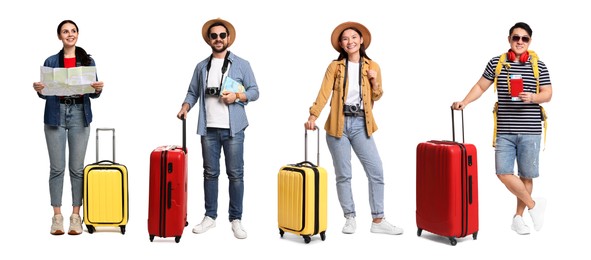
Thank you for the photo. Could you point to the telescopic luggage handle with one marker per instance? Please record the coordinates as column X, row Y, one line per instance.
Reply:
column 97, row 144
column 453, row 124
column 306, row 147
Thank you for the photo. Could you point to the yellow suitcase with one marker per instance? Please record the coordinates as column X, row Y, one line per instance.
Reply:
column 302, row 198
column 105, row 192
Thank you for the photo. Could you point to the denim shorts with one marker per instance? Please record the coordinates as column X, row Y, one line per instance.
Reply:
column 524, row 148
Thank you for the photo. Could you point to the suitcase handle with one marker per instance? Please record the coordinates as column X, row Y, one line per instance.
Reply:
column 184, row 133
column 97, row 142
column 453, row 124
column 306, row 147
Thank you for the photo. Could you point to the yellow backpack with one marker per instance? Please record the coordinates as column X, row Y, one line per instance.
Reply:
column 534, row 65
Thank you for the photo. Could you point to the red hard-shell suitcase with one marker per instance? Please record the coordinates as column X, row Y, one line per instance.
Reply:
column 447, row 188
column 167, row 208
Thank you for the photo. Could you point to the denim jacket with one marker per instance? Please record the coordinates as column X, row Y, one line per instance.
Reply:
column 52, row 103
column 240, row 71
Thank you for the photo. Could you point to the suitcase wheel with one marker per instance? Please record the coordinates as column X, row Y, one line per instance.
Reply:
column 323, row 235
column 151, row 238
column 122, row 229
column 307, row 239
column 453, row 241
column 177, row 239
column 419, row 232
column 90, row 229
column 281, row 232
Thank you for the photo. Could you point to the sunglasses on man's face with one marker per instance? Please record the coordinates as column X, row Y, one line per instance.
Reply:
column 516, row 38
column 214, row 36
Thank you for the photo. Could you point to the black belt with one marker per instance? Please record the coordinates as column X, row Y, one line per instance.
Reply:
column 71, row 100
column 358, row 113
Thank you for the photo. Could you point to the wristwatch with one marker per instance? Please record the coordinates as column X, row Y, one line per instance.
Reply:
column 237, row 97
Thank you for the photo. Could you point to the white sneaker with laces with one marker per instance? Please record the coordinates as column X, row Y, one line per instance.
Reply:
column 537, row 213
column 57, row 224
column 350, row 226
column 205, row 225
column 238, row 230
column 75, row 225
column 519, row 225
column 385, row 227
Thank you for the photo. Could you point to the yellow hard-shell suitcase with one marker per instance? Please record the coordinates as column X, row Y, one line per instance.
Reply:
column 105, row 192
column 302, row 198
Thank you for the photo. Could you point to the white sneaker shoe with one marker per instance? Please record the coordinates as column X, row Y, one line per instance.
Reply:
column 385, row 227
column 57, row 224
column 350, row 226
column 519, row 225
column 238, row 230
column 537, row 213
column 75, row 225
column 205, row 225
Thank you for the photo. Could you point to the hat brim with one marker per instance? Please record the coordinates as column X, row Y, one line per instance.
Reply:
column 228, row 25
column 334, row 38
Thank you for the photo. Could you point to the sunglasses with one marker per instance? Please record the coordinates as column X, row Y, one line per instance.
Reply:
column 214, row 36
column 516, row 38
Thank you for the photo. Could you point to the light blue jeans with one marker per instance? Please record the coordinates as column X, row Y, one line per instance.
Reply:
column 72, row 132
column 211, row 147
column 523, row 148
column 355, row 136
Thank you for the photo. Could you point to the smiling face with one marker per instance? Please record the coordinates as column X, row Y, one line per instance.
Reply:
column 220, row 39
column 519, row 40
column 350, row 41
column 68, row 34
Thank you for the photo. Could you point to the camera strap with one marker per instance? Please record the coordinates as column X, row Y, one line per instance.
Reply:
column 347, row 78
column 224, row 68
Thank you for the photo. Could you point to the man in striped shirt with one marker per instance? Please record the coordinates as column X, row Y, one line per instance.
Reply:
column 520, row 92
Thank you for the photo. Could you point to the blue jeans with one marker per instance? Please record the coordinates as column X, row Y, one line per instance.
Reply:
column 523, row 148
column 355, row 136
column 72, row 132
column 211, row 147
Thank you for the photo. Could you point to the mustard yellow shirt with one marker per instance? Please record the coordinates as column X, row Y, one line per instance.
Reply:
column 332, row 86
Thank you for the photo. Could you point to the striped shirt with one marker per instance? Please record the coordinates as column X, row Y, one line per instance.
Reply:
column 517, row 117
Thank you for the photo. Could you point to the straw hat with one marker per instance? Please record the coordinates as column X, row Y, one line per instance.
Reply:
column 334, row 38
column 228, row 25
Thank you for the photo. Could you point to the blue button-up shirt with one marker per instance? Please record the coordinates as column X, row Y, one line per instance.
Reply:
column 240, row 71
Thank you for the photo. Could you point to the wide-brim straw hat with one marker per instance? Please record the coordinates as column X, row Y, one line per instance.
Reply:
column 334, row 38
column 228, row 25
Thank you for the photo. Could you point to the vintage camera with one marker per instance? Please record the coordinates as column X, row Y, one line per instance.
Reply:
column 352, row 108
column 215, row 91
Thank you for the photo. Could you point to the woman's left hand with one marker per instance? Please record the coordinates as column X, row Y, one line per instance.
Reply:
column 98, row 86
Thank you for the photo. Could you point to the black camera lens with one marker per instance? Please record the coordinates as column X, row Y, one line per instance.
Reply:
column 213, row 91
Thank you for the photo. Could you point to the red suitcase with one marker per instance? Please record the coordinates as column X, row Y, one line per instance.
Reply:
column 447, row 188
column 167, row 209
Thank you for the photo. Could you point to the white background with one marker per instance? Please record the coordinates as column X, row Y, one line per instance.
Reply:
column 430, row 52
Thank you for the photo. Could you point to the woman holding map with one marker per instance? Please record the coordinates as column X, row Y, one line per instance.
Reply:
column 67, row 121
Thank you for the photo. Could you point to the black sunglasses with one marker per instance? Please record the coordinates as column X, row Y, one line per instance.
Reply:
column 516, row 38
column 214, row 36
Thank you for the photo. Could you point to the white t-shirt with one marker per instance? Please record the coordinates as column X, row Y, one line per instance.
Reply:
column 353, row 95
column 217, row 114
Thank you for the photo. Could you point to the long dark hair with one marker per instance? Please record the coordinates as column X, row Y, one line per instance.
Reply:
column 343, row 54
column 81, row 54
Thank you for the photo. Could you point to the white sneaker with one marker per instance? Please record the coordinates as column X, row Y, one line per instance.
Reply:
column 239, row 231
column 350, row 226
column 385, row 227
column 205, row 225
column 537, row 213
column 57, row 224
column 519, row 225
column 75, row 225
